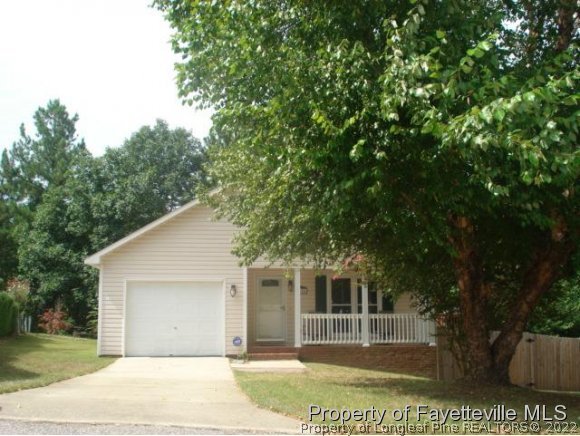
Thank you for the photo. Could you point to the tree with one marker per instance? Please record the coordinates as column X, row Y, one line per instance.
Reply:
column 8, row 221
column 38, row 163
column 28, row 170
column 156, row 170
column 437, row 139
column 51, row 256
column 8, row 247
column 103, row 200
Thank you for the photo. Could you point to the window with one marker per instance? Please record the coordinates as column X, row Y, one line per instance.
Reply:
column 341, row 296
column 388, row 303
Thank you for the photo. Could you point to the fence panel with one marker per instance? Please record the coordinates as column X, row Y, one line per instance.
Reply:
column 24, row 324
column 540, row 362
column 569, row 361
column 521, row 371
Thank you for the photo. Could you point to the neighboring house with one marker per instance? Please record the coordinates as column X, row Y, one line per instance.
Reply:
column 173, row 288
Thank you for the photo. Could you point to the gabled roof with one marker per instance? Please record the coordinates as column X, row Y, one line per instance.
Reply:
column 95, row 259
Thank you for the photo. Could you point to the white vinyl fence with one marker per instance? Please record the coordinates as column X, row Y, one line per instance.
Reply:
column 24, row 324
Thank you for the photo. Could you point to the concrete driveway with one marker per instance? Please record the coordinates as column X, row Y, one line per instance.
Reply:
column 195, row 392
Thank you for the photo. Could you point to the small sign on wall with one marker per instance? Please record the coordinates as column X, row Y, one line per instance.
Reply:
column 237, row 341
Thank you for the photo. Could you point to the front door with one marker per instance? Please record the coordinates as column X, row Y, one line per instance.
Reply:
column 271, row 310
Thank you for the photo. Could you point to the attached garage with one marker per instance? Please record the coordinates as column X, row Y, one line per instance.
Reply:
column 172, row 288
column 164, row 318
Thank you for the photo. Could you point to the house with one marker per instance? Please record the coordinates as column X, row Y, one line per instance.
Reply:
column 173, row 288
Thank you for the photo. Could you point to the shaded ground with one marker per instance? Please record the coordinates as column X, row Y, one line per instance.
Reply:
column 342, row 387
column 34, row 360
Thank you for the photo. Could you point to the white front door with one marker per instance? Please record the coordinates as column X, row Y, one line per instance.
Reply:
column 271, row 310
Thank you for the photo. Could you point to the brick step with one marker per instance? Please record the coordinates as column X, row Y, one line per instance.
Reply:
column 273, row 356
column 272, row 349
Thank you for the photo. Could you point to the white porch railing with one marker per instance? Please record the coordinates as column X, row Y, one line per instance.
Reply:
column 323, row 328
column 330, row 328
column 399, row 328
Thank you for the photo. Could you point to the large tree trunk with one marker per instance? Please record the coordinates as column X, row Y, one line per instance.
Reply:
column 488, row 362
column 472, row 298
column 538, row 279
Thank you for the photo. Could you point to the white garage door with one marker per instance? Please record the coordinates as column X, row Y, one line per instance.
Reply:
column 174, row 319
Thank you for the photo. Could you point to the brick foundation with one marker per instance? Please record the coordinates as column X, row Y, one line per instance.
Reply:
column 410, row 359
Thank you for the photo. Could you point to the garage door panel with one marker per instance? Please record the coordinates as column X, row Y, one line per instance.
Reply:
column 200, row 329
column 174, row 319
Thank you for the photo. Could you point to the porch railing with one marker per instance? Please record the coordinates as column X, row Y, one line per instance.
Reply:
column 398, row 328
column 331, row 328
column 343, row 328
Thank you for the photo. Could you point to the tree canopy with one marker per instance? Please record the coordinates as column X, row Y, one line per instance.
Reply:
column 42, row 161
column 437, row 139
column 155, row 171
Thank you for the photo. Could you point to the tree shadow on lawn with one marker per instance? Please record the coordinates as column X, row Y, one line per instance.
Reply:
column 460, row 392
column 13, row 349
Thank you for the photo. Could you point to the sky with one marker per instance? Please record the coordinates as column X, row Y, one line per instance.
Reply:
column 109, row 61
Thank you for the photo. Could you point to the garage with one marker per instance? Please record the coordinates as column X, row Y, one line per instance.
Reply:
column 174, row 319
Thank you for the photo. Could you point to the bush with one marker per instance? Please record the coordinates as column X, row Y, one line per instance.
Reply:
column 54, row 321
column 8, row 314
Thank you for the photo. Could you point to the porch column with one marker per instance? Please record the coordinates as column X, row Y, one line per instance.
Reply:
column 365, row 314
column 297, row 310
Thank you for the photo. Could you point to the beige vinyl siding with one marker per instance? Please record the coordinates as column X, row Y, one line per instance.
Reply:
column 404, row 304
column 190, row 246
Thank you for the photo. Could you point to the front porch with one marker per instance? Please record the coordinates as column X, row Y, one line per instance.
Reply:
column 316, row 308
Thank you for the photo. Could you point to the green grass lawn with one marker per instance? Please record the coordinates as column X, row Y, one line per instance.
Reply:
column 34, row 360
column 337, row 387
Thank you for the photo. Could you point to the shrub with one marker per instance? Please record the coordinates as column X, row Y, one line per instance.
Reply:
column 54, row 321
column 8, row 314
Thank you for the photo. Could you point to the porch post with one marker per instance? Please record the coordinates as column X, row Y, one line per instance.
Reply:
column 297, row 310
column 365, row 314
